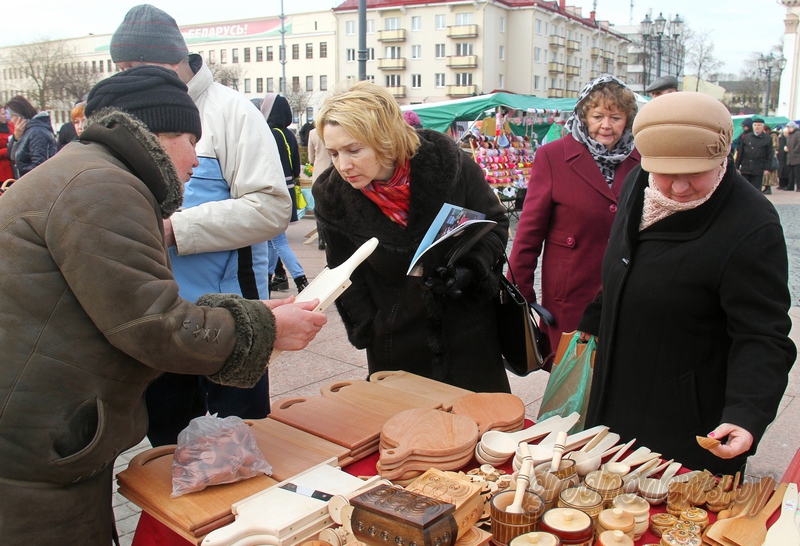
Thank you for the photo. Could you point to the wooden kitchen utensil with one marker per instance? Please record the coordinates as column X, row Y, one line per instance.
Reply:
column 491, row 410
column 784, row 532
column 753, row 529
column 415, row 384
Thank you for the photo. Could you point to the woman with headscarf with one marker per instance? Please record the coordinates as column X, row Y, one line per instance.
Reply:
column 571, row 203
column 693, row 316
column 34, row 142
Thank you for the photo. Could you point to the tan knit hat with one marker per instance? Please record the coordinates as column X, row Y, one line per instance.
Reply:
column 683, row 133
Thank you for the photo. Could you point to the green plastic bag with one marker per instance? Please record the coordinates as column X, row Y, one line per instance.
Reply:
column 568, row 388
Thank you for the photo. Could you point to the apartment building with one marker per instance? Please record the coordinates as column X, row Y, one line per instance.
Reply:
column 422, row 50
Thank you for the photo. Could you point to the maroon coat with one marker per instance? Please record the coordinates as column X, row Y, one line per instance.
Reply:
column 570, row 206
column 5, row 164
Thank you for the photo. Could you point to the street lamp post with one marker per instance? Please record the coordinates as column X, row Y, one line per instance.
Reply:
column 765, row 65
column 656, row 30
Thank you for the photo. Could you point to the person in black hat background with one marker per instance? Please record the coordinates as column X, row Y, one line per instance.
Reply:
column 238, row 201
column 754, row 159
column 662, row 86
column 90, row 313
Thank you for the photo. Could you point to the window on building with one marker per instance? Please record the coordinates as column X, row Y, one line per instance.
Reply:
column 502, row 24
column 212, row 56
column 235, row 55
column 537, row 84
column 464, row 49
column 502, row 53
column 370, row 53
column 501, row 81
column 416, row 51
column 108, row 65
column 370, row 26
column 309, row 113
column 393, row 52
column 309, row 83
column 269, row 54
column 350, row 28
column 391, row 23
column 247, row 85
column 296, row 83
column 323, row 83
column 552, row 83
column 94, row 67
column 440, row 22
column 259, row 54
column 323, row 50
column 416, row 23
column 416, row 81
column 370, row 78
column 464, row 18
column 309, row 51
column 351, row 54
column 295, row 51
column 270, row 85
column 393, row 80
column 464, row 78
column 247, row 54
column 101, row 65
column 259, row 85
column 439, row 77
column 223, row 56
column 440, row 51
column 537, row 54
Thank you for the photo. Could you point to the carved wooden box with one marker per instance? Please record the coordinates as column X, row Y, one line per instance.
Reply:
column 390, row 516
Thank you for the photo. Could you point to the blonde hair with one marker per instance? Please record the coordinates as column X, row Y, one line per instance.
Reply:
column 371, row 115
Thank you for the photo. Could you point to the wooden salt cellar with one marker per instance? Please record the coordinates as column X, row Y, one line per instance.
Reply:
column 662, row 522
column 388, row 515
column 695, row 515
column 536, row 539
column 571, row 526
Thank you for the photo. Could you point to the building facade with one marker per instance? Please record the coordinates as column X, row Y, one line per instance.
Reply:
column 788, row 103
column 423, row 51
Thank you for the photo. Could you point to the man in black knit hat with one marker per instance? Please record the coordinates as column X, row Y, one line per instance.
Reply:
column 90, row 313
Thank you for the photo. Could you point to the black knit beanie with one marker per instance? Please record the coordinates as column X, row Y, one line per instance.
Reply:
column 154, row 95
column 148, row 35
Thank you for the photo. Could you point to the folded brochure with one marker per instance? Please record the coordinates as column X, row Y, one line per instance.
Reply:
column 454, row 231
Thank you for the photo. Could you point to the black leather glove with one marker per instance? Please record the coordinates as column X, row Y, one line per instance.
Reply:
column 449, row 281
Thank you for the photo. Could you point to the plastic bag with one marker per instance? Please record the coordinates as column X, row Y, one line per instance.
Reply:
column 300, row 200
column 568, row 388
column 213, row 451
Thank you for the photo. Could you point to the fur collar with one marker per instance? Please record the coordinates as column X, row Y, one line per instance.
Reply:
column 133, row 143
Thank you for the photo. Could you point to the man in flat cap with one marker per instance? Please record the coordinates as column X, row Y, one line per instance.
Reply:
column 235, row 202
column 755, row 155
column 662, row 86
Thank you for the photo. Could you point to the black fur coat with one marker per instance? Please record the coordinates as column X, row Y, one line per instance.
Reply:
column 385, row 311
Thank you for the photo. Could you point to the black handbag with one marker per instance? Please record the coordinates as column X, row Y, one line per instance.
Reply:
column 518, row 331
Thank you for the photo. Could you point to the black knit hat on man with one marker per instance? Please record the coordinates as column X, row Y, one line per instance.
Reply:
column 154, row 95
column 148, row 35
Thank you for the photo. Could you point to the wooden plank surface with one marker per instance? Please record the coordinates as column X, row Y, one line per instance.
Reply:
column 420, row 386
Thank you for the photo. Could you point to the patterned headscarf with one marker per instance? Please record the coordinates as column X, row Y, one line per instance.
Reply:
column 607, row 160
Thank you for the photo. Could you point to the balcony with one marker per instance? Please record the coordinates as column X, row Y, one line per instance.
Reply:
column 554, row 93
column 462, row 90
column 462, row 61
column 555, row 68
column 572, row 94
column 595, row 52
column 573, row 45
column 397, row 35
column 392, row 64
column 607, row 55
column 573, row 71
column 398, row 91
column 462, row 31
column 622, row 59
column 557, row 41
column 594, row 73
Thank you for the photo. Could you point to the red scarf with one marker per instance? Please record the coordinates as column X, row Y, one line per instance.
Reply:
column 393, row 196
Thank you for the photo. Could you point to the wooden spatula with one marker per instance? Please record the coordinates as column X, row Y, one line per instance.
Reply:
column 784, row 532
column 743, row 502
column 753, row 529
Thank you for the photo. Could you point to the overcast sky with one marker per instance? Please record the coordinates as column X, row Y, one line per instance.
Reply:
column 738, row 27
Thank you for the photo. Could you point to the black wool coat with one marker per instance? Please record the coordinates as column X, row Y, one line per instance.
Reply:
column 694, row 323
column 755, row 154
column 386, row 311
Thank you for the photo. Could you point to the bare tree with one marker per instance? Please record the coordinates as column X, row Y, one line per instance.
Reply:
column 48, row 66
column 700, row 55
column 299, row 101
column 228, row 75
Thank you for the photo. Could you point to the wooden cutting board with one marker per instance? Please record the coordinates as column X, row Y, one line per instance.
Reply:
column 376, row 397
column 331, row 419
column 429, row 433
column 420, row 386
column 491, row 410
column 148, row 482
column 290, row 450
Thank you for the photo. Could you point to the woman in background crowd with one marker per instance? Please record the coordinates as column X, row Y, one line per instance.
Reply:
column 571, row 203
column 390, row 182
column 34, row 142
column 6, row 130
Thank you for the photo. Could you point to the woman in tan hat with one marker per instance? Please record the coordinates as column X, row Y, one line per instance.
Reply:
column 571, row 204
column 693, row 334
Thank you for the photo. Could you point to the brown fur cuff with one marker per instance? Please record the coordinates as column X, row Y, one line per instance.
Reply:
column 255, row 338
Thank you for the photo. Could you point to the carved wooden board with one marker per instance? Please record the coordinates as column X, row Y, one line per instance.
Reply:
column 353, row 427
column 427, row 433
column 421, row 386
column 375, row 397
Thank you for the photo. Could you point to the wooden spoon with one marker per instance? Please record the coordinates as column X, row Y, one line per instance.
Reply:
column 523, row 479
column 504, row 444
column 753, row 529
